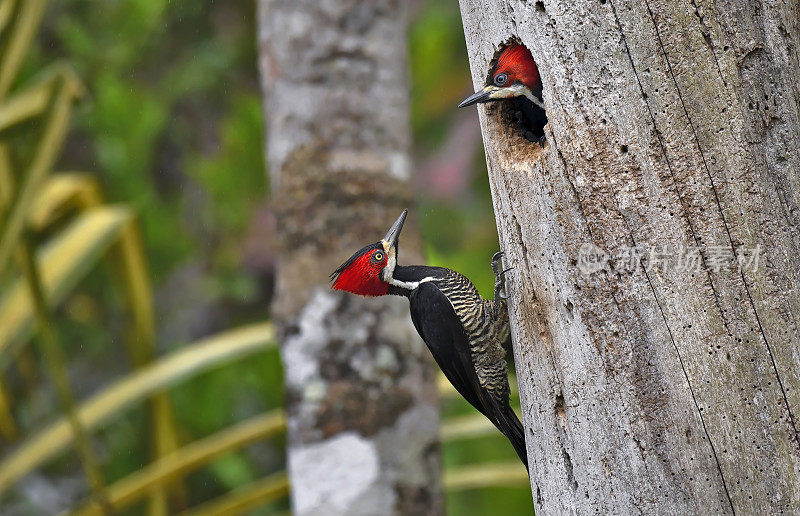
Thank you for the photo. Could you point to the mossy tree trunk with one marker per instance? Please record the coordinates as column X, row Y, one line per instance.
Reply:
column 361, row 396
column 659, row 372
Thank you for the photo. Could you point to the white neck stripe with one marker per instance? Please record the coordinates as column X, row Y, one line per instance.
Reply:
column 388, row 273
column 409, row 285
column 530, row 96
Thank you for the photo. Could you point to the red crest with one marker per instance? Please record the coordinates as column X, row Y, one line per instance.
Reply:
column 517, row 63
column 361, row 274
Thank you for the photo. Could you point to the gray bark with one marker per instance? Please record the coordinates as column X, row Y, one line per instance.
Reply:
column 647, row 388
column 361, row 396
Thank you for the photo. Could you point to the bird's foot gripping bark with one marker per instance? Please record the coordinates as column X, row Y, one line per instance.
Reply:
column 499, row 277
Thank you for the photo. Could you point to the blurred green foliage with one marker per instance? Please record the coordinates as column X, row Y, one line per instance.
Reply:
column 174, row 122
column 459, row 233
column 439, row 70
column 173, row 126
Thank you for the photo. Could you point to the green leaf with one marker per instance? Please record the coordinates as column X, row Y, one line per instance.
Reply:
column 254, row 495
column 128, row 490
column 48, row 148
column 62, row 263
column 195, row 358
column 28, row 19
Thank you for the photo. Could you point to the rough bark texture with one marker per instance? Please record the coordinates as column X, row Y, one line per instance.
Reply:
column 362, row 404
column 648, row 389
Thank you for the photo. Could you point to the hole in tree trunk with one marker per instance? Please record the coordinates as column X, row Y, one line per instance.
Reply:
column 522, row 119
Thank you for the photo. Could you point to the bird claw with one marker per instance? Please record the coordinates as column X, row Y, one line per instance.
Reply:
column 499, row 276
column 501, row 291
column 496, row 262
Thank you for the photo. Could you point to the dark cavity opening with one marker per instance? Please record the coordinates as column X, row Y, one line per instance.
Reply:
column 523, row 116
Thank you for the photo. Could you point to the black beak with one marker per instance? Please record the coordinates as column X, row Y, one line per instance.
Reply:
column 394, row 232
column 477, row 97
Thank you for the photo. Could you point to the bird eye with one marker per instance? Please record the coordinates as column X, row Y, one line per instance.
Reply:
column 378, row 256
column 500, row 79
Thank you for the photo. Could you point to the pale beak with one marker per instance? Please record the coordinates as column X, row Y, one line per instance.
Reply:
column 485, row 95
column 394, row 232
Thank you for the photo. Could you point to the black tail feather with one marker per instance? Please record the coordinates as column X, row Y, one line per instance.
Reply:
column 508, row 423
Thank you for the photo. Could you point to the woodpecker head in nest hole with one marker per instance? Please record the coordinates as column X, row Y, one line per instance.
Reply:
column 369, row 271
column 516, row 77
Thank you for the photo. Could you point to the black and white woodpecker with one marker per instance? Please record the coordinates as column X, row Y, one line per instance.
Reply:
column 464, row 332
column 516, row 78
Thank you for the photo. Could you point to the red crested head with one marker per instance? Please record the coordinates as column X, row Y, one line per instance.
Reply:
column 516, row 64
column 514, row 75
column 369, row 271
column 361, row 274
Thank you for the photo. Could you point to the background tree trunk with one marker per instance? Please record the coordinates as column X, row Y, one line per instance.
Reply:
column 647, row 388
column 362, row 404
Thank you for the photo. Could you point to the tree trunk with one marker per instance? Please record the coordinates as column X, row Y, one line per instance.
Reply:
column 658, row 373
column 361, row 396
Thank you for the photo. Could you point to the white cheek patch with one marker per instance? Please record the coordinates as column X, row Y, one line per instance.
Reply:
column 391, row 263
column 506, row 93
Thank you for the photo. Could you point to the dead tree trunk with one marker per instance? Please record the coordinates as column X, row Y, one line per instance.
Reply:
column 658, row 372
column 361, row 398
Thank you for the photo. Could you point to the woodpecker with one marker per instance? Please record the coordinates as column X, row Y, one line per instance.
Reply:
column 464, row 332
column 516, row 77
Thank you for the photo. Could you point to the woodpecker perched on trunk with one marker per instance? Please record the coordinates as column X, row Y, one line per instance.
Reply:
column 516, row 77
column 464, row 332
